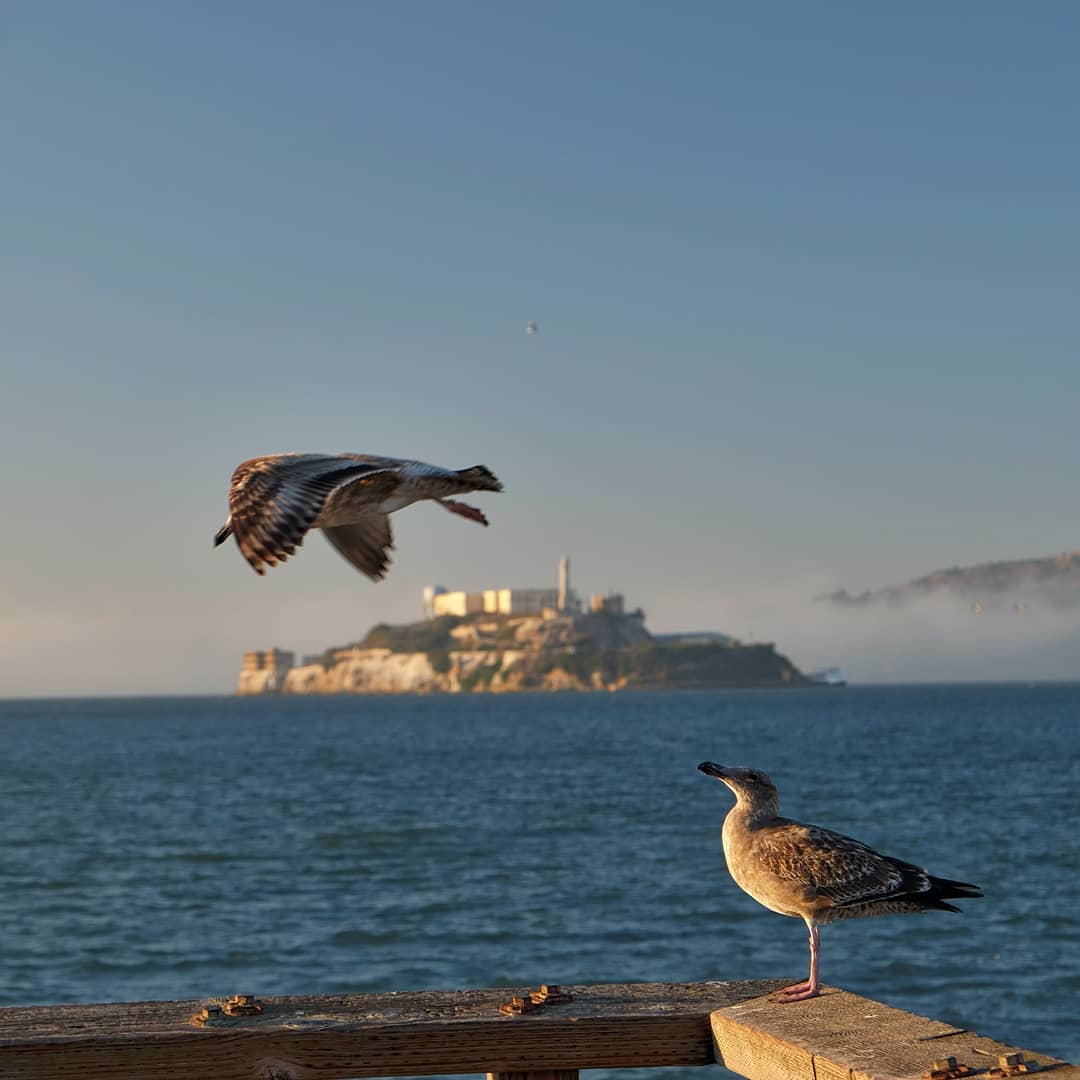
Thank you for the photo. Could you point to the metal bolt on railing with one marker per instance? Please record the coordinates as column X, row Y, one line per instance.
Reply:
column 516, row 1006
column 947, row 1069
column 242, row 1005
column 550, row 994
column 1013, row 1065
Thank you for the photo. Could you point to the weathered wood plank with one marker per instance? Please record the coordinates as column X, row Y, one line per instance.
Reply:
column 544, row 1074
column 840, row 1036
column 394, row 1034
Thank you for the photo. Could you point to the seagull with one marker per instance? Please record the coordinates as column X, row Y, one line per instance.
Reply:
column 274, row 500
column 815, row 874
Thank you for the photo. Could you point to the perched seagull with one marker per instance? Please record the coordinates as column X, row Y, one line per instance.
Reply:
column 274, row 500
column 815, row 874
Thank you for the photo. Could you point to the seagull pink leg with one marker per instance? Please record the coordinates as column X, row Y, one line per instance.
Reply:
column 463, row 510
column 812, row 986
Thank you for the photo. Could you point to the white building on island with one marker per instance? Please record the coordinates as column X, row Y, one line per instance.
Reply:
column 439, row 601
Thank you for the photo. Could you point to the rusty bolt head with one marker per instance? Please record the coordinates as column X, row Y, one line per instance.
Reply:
column 243, row 1005
column 518, row 1005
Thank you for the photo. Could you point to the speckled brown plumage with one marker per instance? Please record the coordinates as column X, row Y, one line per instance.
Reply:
column 816, row 874
column 275, row 500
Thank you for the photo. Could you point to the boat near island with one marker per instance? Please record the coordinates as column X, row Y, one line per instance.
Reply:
column 832, row 676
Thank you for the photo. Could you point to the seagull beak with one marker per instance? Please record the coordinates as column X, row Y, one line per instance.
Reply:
column 717, row 772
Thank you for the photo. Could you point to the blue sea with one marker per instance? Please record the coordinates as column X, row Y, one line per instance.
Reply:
column 186, row 847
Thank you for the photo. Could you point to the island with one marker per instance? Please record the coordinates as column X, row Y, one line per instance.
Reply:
column 485, row 654
column 514, row 639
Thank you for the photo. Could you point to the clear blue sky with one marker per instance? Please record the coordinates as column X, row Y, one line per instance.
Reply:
column 806, row 277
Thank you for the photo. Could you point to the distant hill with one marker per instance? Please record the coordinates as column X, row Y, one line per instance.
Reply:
column 1052, row 581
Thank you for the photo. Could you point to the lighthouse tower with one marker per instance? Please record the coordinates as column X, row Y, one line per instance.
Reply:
column 564, row 583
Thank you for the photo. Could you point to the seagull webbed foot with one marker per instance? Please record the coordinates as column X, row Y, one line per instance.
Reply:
column 464, row 510
column 798, row 992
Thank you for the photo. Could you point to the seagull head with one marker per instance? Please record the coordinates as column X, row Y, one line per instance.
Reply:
column 753, row 789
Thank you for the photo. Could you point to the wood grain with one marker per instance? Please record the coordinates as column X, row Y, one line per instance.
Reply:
column 840, row 1036
column 625, row 1025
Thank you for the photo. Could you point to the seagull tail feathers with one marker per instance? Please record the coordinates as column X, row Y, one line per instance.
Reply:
column 481, row 478
column 942, row 889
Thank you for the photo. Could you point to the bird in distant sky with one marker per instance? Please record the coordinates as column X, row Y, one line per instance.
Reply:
column 275, row 500
column 815, row 874
column 531, row 328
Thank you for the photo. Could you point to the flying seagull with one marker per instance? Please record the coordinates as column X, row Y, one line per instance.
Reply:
column 275, row 500
column 815, row 874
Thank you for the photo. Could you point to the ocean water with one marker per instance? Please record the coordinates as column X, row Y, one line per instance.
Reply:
column 187, row 847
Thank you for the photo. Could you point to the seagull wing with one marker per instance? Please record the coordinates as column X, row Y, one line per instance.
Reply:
column 274, row 500
column 843, row 871
column 364, row 543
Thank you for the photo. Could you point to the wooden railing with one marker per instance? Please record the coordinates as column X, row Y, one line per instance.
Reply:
column 837, row 1036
